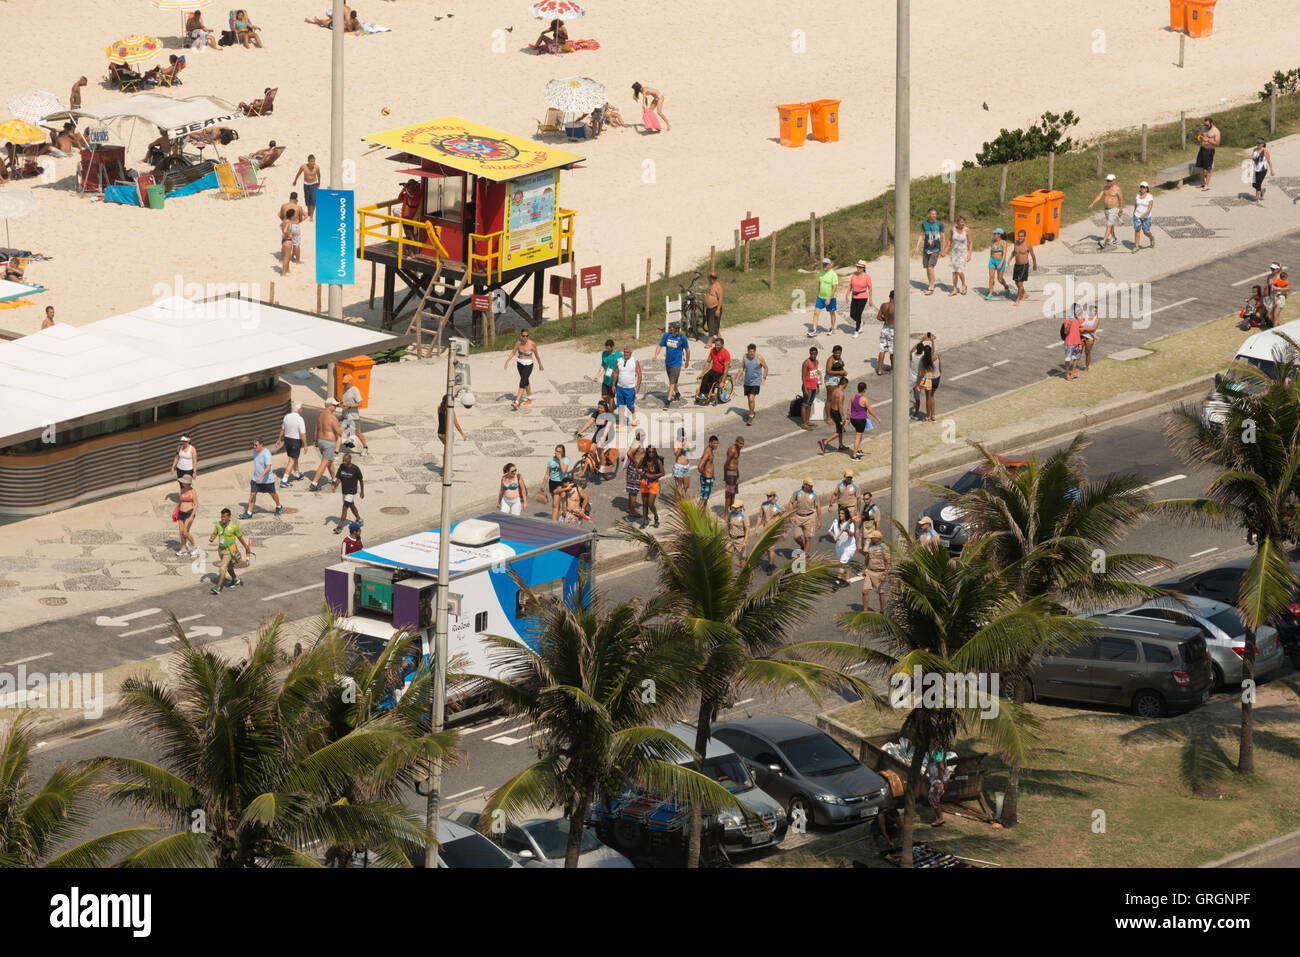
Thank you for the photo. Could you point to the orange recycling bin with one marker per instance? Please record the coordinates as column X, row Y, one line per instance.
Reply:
column 794, row 123
column 1028, row 210
column 1178, row 15
column 1052, row 200
column 1200, row 17
column 359, row 368
column 826, row 120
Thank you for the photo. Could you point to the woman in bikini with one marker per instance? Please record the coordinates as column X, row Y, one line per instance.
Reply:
column 526, row 354
column 185, row 509
column 997, row 263
column 286, row 242
column 649, row 98
column 682, row 463
column 652, row 470
column 512, row 495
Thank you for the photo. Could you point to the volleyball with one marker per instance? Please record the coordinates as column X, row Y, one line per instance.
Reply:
column 384, row 111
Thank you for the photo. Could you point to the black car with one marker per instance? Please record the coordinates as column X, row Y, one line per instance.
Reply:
column 947, row 518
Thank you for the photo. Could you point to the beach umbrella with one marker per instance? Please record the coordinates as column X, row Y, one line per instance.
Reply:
column 22, row 133
column 557, row 10
column 133, row 49
column 35, row 106
column 184, row 6
column 15, row 204
column 575, row 94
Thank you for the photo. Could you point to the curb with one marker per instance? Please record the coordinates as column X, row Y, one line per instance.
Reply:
column 1251, row 855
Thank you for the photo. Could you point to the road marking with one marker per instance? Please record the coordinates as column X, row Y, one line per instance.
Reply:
column 1206, row 552
column 23, row 661
column 965, row 374
column 507, row 740
column 206, row 631
column 484, row 727
column 497, row 738
column 1180, row 302
column 855, row 578
column 1001, row 363
column 1055, row 345
column 294, row 591
column 140, row 631
column 779, row 438
column 104, row 621
column 1163, row 481
column 461, row 794
column 1242, row 282
column 739, row 703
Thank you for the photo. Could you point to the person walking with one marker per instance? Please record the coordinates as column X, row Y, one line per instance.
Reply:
column 263, row 479
column 310, row 174
column 682, row 463
column 868, row 520
column 805, row 515
column 834, row 375
column 574, row 503
column 526, row 355
column 652, row 470
column 1088, row 334
column 1143, row 204
column 1111, row 198
column 633, row 461
column 705, row 468
column 959, row 248
column 1022, row 255
column 767, row 514
column 354, row 486
column 844, row 532
column 677, row 351
column 512, row 493
column 350, row 403
column 930, row 244
column 187, row 506
column 1262, row 165
column 925, row 533
column 292, row 431
column 731, row 472
column 936, row 369
column 860, row 416
column 811, row 378
column 444, row 407
column 737, row 531
column 186, row 461
column 914, row 376
column 925, row 380
column 859, row 295
column 228, row 549
column 351, row 541
column 1073, row 343
column 828, row 281
column 328, row 434
column 846, row 493
column 875, row 574
column 557, row 466
column 713, row 306
column 998, row 263
column 628, row 384
column 1209, row 138
column 606, row 375
column 754, row 368
column 886, row 316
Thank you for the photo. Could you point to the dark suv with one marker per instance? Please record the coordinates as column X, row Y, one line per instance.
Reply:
column 948, row 520
column 1152, row 667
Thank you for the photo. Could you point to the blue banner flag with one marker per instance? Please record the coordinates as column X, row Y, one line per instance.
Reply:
column 335, row 237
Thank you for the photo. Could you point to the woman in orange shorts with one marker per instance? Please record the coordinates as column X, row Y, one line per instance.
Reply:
column 652, row 470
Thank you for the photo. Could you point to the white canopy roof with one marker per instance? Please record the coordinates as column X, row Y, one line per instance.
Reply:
column 177, row 116
column 71, row 375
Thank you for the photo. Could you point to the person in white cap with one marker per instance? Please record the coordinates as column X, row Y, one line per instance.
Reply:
column 292, row 431
column 827, row 282
column 860, row 295
column 1112, row 201
column 1143, row 204
column 328, row 433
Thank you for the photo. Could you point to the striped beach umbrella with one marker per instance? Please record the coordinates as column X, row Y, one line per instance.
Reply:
column 575, row 94
column 179, row 4
column 557, row 10
column 22, row 133
column 133, row 49
column 35, row 106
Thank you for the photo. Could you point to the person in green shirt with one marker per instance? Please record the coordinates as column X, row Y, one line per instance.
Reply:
column 231, row 538
column 827, row 282
column 608, row 362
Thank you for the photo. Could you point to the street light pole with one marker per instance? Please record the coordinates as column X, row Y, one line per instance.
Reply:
column 900, row 413
column 439, row 706
column 336, row 146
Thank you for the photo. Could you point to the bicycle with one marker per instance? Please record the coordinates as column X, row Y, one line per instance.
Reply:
column 691, row 312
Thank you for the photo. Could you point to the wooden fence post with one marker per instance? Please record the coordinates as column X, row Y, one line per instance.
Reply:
column 713, row 259
column 622, row 295
column 821, row 240
column 647, row 289
column 573, row 290
column 1002, row 190
column 812, row 233
column 589, row 313
column 1272, row 111
column 1100, row 152
column 1144, row 143
column 748, row 215
column 952, row 198
column 771, row 266
column 736, row 251
column 318, row 298
column 372, row 284
column 1182, row 129
column 1182, row 43
column 668, row 256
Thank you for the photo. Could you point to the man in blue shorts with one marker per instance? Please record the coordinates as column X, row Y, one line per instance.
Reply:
column 627, row 383
column 678, row 350
column 827, row 282
column 608, row 358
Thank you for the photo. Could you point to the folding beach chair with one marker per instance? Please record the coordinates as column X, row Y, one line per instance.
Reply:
column 172, row 79
column 274, row 155
column 554, row 122
column 265, row 105
column 124, row 78
column 247, row 178
column 227, row 184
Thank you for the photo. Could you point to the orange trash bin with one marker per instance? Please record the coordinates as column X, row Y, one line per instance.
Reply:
column 826, row 120
column 1052, row 200
column 1028, row 210
column 1200, row 17
column 1178, row 15
column 794, row 123
column 359, row 368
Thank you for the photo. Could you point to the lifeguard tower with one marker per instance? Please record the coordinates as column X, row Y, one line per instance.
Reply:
column 487, row 215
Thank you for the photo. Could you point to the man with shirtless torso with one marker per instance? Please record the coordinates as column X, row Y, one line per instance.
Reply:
column 1022, row 254
column 292, row 203
column 705, row 467
column 74, row 98
column 310, row 174
column 1112, row 198
column 1209, row 138
column 731, row 473
column 328, row 433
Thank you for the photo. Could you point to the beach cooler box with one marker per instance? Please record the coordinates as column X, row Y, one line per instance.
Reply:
column 1200, row 17
column 1178, row 15
column 794, row 123
column 1028, row 209
column 1052, row 200
column 826, row 120
column 359, row 368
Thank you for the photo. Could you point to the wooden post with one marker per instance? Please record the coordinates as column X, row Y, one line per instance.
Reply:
column 1182, row 42
column 647, row 289
column 668, row 256
column 1272, row 111
column 273, row 294
column 771, row 265
column 1051, row 169
column 318, row 298
column 713, row 259
column 372, row 284
column 952, row 199
column 559, row 305
column 1144, row 143
column 821, row 240
column 622, row 295
column 1100, row 144
column 589, row 315
column 812, row 233
column 1002, row 190
column 736, row 242
column 573, row 289
column 748, row 214
column 1182, row 129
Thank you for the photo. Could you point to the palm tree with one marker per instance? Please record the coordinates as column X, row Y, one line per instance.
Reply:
column 253, row 773
column 956, row 616
column 33, row 826
column 1051, row 532
column 597, row 680
column 738, row 631
column 1257, row 449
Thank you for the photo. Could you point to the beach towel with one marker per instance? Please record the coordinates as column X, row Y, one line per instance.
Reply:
column 575, row 45
column 128, row 194
column 650, row 119
column 369, row 28
column 15, row 303
column 199, row 185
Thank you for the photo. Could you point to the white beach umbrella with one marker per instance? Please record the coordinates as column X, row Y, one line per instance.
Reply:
column 557, row 10
column 184, row 6
column 34, row 106
column 575, row 94
column 15, row 204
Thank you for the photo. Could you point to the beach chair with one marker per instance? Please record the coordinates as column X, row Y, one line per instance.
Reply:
column 271, row 157
column 227, row 184
column 124, row 78
column 265, row 105
column 173, row 78
column 247, row 178
column 554, row 122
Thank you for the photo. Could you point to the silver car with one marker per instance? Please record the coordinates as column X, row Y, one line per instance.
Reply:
column 1225, row 635
column 543, row 841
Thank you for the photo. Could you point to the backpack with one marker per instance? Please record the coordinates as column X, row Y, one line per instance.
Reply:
column 227, row 38
column 795, row 405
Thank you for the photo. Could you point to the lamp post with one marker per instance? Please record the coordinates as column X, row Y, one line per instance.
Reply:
column 900, row 414
column 336, row 149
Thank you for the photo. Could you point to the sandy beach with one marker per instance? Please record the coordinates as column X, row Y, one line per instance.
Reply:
column 722, row 67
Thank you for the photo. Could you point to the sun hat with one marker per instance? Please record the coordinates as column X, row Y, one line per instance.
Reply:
column 1143, row 185
column 1110, row 176
column 807, row 481
column 848, row 473
column 874, row 535
column 331, row 401
column 1274, row 265
column 771, row 491
column 737, row 503
column 186, row 480
column 862, row 264
column 185, row 438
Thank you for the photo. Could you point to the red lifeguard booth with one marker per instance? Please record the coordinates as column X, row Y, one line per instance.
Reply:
column 485, row 212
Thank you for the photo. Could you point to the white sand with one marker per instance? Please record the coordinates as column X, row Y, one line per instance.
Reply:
column 722, row 66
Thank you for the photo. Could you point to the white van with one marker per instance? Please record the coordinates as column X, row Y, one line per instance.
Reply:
column 1263, row 350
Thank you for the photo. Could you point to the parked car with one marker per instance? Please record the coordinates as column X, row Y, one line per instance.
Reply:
column 1224, row 634
column 806, row 769
column 542, row 841
column 948, row 519
column 1151, row 667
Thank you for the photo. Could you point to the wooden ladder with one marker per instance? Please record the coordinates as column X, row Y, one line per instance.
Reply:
column 438, row 306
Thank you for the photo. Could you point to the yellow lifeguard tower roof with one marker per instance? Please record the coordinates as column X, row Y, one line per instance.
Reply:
column 471, row 148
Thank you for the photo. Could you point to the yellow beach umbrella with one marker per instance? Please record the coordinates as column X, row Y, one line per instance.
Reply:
column 21, row 133
column 179, row 4
column 133, row 49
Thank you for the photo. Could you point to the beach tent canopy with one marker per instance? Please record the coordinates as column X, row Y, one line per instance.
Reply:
column 471, row 148
column 176, row 116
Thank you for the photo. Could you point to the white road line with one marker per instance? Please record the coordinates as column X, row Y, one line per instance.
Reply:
column 23, row 661
column 1242, row 282
column 522, row 727
column 999, row 363
column 1164, row 481
column 779, row 438
column 507, row 740
column 965, row 374
column 461, row 794
column 141, row 631
column 855, row 578
column 739, row 703
column 1054, row 345
column 1206, row 552
column 294, row 591
column 1180, row 302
